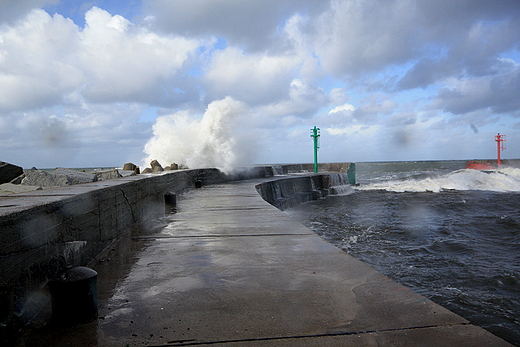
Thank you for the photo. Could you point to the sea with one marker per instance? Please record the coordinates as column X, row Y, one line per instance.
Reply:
column 448, row 233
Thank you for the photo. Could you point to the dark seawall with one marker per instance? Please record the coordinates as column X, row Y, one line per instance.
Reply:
column 47, row 231
column 284, row 193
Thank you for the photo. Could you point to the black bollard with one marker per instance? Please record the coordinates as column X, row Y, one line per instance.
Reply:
column 74, row 296
column 170, row 202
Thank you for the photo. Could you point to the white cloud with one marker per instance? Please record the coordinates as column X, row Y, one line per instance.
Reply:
column 303, row 101
column 129, row 63
column 339, row 96
column 45, row 58
column 344, row 107
column 253, row 78
column 37, row 68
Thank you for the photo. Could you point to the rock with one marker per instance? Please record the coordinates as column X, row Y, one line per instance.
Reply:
column 156, row 167
column 10, row 189
column 57, row 178
column 147, row 170
column 9, row 172
column 18, row 180
column 108, row 175
column 174, row 166
column 129, row 167
column 137, row 170
column 125, row 173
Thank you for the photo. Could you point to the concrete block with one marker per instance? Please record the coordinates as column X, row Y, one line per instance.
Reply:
column 8, row 172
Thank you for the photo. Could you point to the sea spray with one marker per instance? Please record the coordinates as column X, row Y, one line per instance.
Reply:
column 505, row 179
column 214, row 140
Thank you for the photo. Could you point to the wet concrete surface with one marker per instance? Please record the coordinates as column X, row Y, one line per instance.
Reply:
column 228, row 269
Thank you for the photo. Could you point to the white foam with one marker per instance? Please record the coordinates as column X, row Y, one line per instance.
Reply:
column 502, row 180
column 214, row 140
column 341, row 190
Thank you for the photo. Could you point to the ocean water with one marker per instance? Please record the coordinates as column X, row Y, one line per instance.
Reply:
column 450, row 234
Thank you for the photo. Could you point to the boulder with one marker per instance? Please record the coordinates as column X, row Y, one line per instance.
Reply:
column 156, row 167
column 108, row 175
column 174, row 166
column 129, row 167
column 9, row 172
column 147, row 170
column 56, row 178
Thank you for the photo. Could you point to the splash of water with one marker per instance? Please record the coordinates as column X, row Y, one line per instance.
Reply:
column 215, row 140
column 505, row 179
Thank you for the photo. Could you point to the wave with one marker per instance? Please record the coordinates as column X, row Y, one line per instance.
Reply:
column 341, row 190
column 505, row 179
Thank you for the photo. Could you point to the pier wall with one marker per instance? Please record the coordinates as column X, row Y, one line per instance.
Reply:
column 284, row 193
column 43, row 232
column 322, row 167
column 46, row 231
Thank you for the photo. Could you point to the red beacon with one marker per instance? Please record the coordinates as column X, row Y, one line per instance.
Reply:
column 500, row 139
column 486, row 164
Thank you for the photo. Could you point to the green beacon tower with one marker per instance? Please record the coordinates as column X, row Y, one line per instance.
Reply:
column 315, row 134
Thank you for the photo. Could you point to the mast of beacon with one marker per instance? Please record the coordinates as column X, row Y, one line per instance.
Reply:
column 315, row 134
column 500, row 139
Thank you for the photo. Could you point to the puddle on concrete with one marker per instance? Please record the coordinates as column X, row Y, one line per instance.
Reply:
column 113, row 266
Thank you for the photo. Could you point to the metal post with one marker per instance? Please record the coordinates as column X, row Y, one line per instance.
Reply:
column 315, row 134
column 170, row 202
column 74, row 296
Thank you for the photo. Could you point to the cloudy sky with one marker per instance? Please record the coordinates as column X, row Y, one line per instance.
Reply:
column 235, row 82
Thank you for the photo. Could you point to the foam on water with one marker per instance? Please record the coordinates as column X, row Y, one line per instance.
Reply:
column 340, row 185
column 458, row 247
column 341, row 190
column 505, row 179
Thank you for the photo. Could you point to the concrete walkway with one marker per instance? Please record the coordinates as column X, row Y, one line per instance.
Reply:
column 228, row 269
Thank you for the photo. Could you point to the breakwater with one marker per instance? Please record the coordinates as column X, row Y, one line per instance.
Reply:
column 284, row 193
column 47, row 231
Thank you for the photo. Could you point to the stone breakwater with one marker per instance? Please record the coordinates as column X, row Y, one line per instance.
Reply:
column 14, row 179
column 46, row 231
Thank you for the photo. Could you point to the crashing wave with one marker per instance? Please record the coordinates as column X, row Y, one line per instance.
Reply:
column 506, row 179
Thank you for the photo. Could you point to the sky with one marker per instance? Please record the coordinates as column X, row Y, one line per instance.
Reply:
column 229, row 83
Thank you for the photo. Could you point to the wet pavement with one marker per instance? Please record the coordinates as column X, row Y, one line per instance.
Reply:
column 228, row 269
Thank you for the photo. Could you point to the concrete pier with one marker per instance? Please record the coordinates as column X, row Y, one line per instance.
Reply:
column 229, row 269
column 44, row 232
